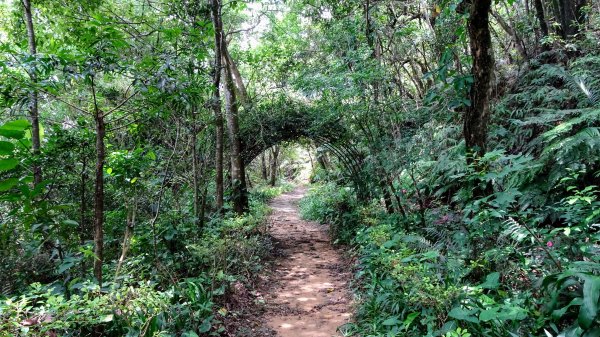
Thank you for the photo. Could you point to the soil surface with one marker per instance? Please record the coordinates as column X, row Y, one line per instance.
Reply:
column 307, row 295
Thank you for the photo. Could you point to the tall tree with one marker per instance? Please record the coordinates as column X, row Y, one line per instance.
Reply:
column 216, row 101
column 238, row 170
column 100, row 123
column 34, row 97
column 477, row 114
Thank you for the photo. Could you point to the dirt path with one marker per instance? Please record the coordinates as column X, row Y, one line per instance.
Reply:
column 309, row 296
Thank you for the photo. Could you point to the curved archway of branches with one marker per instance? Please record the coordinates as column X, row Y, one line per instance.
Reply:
column 284, row 120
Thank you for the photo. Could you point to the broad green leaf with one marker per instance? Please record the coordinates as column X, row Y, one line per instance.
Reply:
column 512, row 314
column 464, row 314
column 6, row 148
column 8, row 164
column 492, row 281
column 488, row 314
column 589, row 307
column 19, row 124
column 13, row 134
column 7, row 184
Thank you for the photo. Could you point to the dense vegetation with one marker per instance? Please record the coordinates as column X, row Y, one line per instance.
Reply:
column 455, row 144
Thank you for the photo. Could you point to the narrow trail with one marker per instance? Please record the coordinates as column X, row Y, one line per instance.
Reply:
column 309, row 297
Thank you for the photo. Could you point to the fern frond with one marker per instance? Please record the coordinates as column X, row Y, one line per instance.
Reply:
column 514, row 230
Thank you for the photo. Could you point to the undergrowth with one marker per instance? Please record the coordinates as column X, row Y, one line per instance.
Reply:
column 506, row 246
column 175, row 295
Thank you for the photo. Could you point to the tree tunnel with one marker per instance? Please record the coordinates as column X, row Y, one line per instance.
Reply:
column 287, row 121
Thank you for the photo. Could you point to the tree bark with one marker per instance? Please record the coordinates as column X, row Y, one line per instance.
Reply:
column 541, row 17
column 216, row 103
column 196, row 173
column 274, row 165
column 241, row 92
column 129, row 227
column 263, row 167
column 99, row 189
column 478, row 113
column 238, row 171
column 33, row 100
column 83, row 228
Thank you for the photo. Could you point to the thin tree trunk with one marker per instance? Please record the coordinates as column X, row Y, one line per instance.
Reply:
column 387, row 198
column 515, row 37
column 203, row 208
column 263, row 167
column 33, row 103
column 274, row 164
column 161, row 193
column 478, row 113
column 216, row 104
column 196, row 173
column 398, row 201
column 99, row 189
column 238, row 172
column 129, row 227
column 83, row 204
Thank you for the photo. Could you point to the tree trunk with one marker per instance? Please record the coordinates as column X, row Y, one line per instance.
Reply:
column 241, row 92
column 216, row 104
column 539, row 12
column 196, row 173
column 478, row 113
column 263, row 167
column 238, row 171
column 83, row 228
column 33, row 103
column 99, row 189
column 129, row 227
column 274, row 164
column 387, row 198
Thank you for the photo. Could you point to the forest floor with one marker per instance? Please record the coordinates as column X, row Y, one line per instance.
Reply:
column 307, row 295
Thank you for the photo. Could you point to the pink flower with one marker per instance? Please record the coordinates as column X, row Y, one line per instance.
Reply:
column 549, row 244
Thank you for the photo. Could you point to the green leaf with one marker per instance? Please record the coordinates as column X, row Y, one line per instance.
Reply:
column 492, row 281
column 7, row 184
column 488, row 314
column 595, row 332
column 409, row 319
column 13, row 134
column 512, row 313
column 15, row 129
column 391, row 321
column 464, row 314
column 589, row 307
column 19, row 124
column 71, row 223
column 189, row 334
column 558, row 313
column 106, row 318
column 6, row 148
column 8, row 164
column 206, row 325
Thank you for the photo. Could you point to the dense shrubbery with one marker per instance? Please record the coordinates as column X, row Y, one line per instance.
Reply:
column 505, row 246
column 179, row 300
column 427, row 283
